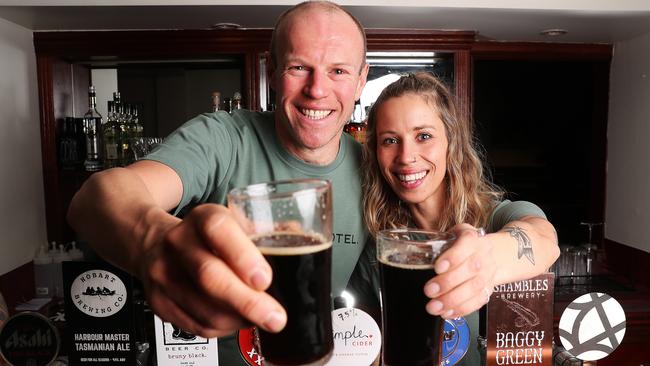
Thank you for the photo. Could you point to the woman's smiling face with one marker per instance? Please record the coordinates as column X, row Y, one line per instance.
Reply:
column 412, row 148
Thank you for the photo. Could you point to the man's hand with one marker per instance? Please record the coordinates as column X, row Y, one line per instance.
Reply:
column 465, row 275
column 205, row 276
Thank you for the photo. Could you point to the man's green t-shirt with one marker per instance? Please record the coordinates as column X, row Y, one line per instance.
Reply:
column 215, row 152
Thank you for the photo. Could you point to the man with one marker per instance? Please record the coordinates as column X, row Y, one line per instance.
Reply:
column 200, row 272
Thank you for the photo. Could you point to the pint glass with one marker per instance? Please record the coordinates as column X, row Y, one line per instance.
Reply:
column 411, row 336
column 291, row 224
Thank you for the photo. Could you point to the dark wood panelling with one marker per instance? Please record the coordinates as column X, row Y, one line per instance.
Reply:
column 80, row 82
column 541, row 51
column 62, row 92
column 17, row 286
column 46, row 80
column 462, row 81
column 249, row 83
column 414, row 39
column 62, row 89
column 149, row 44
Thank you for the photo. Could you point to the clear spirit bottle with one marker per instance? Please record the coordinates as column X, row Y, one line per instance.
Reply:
column 92, row 122
column 123, row 141
column 111, row 136
column 138, row 129
column 227, row 104
column 236, row 101
column 216, row 101
column 133, row 129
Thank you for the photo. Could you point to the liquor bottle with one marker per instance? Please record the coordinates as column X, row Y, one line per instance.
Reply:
column 236, row 101
column 117, row 98
column 128, row 121
column 119, row 107
column 357, row 125
column 123, row 142
column 93, row 130
column 111, row 137
column 133, row 132
column 119, row 122
column 69, row 155
column 216, row 101
column 138, row 129
column 227, row 105
column 126, row 113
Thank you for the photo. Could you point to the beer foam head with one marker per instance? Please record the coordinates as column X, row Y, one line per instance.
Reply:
column 407, row 260
column 290, row 243
column 411, row 248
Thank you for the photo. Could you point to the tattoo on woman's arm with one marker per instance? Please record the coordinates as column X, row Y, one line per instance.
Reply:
column 524, row 244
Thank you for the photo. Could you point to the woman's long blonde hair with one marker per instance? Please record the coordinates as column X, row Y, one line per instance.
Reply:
column 470, row 196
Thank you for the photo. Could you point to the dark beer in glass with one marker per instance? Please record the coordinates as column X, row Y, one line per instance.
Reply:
column 301, row 269
column 290, row 222
column 411, row 336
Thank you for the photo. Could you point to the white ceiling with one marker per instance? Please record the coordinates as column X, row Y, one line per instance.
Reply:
column 591, row 21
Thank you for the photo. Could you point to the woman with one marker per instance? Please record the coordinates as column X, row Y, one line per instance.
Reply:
column 421, row 169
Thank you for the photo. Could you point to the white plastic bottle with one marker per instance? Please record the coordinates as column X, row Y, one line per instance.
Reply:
column 52, row 249
column 74, row 254
column 59, row 257
column 43, row 276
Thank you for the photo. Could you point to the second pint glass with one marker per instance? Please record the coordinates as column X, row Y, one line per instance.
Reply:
column 411, row 336
column 291, row 224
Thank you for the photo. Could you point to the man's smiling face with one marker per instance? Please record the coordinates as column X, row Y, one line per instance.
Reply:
column 320, row 73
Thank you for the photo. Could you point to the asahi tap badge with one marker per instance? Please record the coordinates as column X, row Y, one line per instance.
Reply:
column 29, row 339
column 592, row 326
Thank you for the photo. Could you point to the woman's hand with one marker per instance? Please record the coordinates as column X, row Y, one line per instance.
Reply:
column 465, row 274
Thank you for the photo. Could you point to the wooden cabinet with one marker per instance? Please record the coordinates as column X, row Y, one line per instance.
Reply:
column 64, row 60
column 64, row 75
